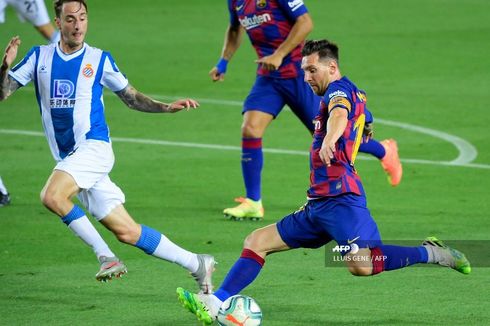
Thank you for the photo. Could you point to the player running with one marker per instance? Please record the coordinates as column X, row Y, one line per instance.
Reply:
column 336, row 208
column 277, row 30
column 69, row 78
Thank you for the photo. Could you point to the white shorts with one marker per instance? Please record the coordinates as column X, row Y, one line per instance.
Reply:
column 33, row 11
column 90, row 165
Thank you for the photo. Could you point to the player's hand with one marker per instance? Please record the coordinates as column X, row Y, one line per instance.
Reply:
column 216, row 75
column 180, row 105
column 327, row 151
column 11, row 52
column 368, row 132
column 271, row 62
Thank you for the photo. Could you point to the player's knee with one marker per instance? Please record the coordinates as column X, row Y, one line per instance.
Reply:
column 50, row 199
column 357, row 270
column 254, row 241
column 252, row 130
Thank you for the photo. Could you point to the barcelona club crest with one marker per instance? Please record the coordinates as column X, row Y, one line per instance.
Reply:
column 261, row 3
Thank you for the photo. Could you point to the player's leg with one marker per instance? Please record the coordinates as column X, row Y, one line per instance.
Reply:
column 49, row 32
column 3, row 6
column 357, row 229
column 386, row 151
column 4, row 194
column 385, row 257
column 245, row 270
column 56, row 196
column 301, row 100
column 36, row 13
column 293, row 231
column 76, row 174
column 158, row 245
column 261, row 106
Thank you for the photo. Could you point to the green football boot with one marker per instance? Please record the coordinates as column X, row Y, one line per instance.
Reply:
column 196, row 304
column 248, row 209
column 447, row 256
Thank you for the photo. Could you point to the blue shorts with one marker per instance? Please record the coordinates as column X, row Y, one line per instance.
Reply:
column 269, row 95
column 343, row 218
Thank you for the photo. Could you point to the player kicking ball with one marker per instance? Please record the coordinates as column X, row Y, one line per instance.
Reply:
column 69, row 78
column 336, row 208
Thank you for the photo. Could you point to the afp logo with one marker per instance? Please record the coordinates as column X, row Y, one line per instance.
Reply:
column 352, row 248
column 63, row 88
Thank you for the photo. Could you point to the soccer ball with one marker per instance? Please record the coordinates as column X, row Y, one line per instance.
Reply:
column 239, row 310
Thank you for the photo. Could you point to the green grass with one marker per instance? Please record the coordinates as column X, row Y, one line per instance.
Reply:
column 421, row 62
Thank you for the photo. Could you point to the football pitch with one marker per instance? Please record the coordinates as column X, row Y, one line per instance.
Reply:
column 425, row 68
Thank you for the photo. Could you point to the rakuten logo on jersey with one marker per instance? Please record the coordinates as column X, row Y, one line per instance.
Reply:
column 295, row 4
column 255, row 21
column 337, row 93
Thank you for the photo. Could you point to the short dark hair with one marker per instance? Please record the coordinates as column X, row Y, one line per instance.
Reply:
column 58, row 4
column 325, row 49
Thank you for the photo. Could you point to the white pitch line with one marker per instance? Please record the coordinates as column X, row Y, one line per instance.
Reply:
column 236, row 148
column 467, row 152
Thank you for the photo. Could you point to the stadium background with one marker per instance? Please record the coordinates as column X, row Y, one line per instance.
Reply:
column 422, row 63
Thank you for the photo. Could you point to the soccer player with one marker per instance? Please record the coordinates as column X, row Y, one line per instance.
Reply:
column 4, row 194
column 35, row 12
column 277, row 30
column 69, row 78
column 336, row 207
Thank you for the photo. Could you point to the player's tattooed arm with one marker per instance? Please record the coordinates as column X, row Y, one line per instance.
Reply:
column 8, row 85
column 140, row 102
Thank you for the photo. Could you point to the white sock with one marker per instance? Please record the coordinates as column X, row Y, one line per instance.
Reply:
column 87, row 232
column 168, row 250
column 431, row 257
column 3, row 189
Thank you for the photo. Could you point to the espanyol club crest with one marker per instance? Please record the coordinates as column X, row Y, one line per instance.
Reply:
column 261, row 3
column 88, row 71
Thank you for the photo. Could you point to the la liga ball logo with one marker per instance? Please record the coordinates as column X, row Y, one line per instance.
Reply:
column 88, row 71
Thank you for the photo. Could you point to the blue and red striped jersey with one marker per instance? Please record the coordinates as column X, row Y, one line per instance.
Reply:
column 341, row 177
column 268, row 23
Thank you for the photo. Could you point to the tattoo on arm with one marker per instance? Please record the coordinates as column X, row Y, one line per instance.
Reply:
column 8, row 85
column 140, row 102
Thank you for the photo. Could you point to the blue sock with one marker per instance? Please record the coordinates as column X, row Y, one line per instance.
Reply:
column 243, row 272
column 75, row 213
column 387, row 257
column 149, row 239
column 373, row 147
column 252, row 162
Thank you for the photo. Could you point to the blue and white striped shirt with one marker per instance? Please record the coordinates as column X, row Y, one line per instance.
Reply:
column 69, row 91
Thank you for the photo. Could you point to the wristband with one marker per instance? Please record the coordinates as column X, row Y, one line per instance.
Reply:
column 221, row 65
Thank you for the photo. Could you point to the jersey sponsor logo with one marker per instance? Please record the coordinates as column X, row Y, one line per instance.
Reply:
column 255, row 21
column 261, row 3
column 295, row 4
column 337, row 93
column 88, row 71
column 62, row 103
column 63, row 89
